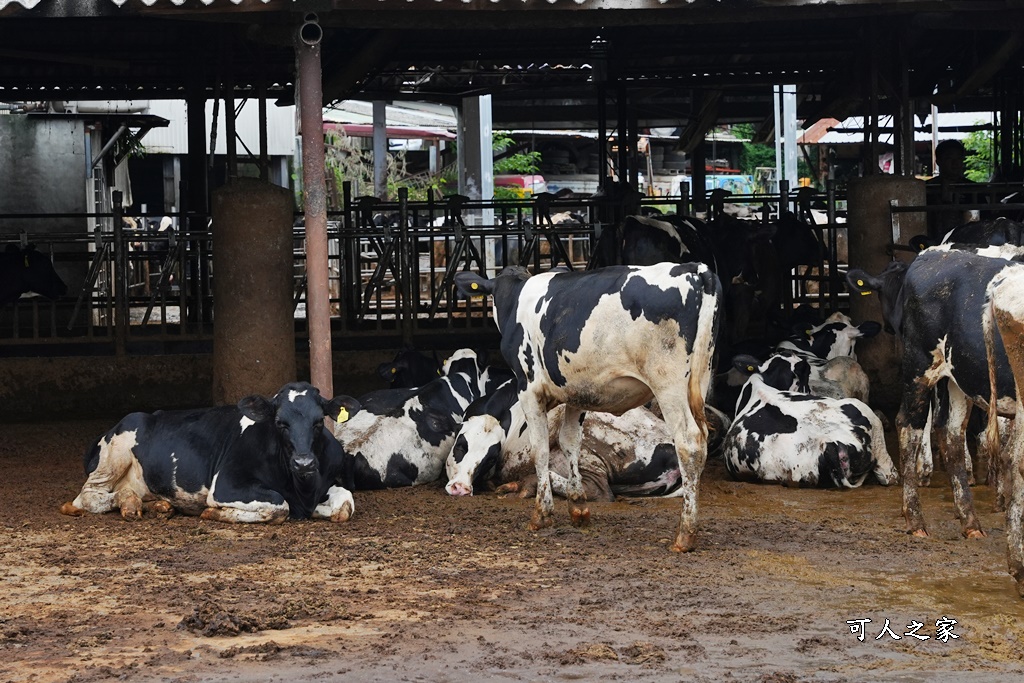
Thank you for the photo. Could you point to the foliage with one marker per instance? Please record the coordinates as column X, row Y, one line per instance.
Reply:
column 979, row 163
column 756, row 155
column 518, row 162
column 346, row 160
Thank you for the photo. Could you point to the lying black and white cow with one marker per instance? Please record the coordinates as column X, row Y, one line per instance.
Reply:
column 835, row 337
column 260, row 461
column 24, row 270
column 937, row 305
column 782, row 434
column 609, row 340
column 629, row 454
column 1004, row 327
column 401, row 437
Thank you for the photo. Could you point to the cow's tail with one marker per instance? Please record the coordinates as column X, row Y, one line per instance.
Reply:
column 988, row 320
column 704, row 346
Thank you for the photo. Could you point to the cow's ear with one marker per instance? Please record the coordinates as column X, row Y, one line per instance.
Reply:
column 745, row 364
column 869, row 328
column 921, row 242
column 861, row 283
column 341, row 408
column 257, row 408
column 470, row 284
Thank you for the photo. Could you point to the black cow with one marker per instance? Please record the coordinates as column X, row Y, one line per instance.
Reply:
column 993, row 232
column 258, row 461
column 609, row 340
column 409, row 369
column 937, row 305
column 25, row 270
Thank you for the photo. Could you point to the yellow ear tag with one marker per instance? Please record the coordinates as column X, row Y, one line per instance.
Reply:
column 394, row 370
column 472, row 286
column 342, row 415
column 860, row 283
column 751, row 368
column 808, row 332
column 865, row 293
column 26, row 261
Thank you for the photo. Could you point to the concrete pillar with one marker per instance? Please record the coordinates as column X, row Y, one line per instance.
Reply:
column 254, row 329
column 871, row 232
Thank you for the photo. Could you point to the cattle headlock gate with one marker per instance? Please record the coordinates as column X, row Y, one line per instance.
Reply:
column 140, row 290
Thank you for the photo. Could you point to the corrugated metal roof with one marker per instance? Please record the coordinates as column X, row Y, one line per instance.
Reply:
column 181, row 2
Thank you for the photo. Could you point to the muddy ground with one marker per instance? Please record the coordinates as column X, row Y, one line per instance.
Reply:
column 419, row 586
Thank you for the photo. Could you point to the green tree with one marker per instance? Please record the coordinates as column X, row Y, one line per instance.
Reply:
column 979, row 163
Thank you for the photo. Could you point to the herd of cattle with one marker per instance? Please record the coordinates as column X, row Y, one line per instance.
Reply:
column 613, row 386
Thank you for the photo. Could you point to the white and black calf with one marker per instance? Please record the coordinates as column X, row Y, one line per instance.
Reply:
column 259, row 461
column 783, row 435
column 629, row 454
column 609, row 340
column 936, row 305
column 401, row 437
column 24, row 270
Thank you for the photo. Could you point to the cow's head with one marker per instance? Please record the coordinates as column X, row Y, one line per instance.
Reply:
column 889, row 285
column 838, row 336
column 410, row 368
column 784, row 372
column 504, row 289
column 37, row 273
column 298, row 411
column 479, row 442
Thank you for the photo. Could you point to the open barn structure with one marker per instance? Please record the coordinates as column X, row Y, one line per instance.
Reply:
column 248, row 285
column 614, row 67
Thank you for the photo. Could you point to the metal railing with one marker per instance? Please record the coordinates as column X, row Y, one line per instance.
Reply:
column 391, row 272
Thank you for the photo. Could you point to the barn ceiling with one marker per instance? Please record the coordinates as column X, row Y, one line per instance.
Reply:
column 675, row 62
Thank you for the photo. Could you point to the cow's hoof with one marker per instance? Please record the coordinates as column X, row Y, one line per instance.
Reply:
column 131, row 509
column 505, row 489
column 920, row 533
column 580, row 517
column 160, row 507
column 210, row 513
column 344, row 514
column 540, row 520
column 684, row 543
column 70, row 510
column 974, row 533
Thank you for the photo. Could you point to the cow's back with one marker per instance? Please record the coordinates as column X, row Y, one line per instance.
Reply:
column 599, row 340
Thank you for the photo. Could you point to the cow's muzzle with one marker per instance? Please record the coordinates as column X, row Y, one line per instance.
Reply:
column 457, row 488
column 304, row 466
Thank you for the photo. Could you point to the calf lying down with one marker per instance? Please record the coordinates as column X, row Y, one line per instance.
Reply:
column 783, row 435
column 631, row 454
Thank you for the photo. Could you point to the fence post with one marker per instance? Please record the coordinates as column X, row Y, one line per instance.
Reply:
column 406, row 253
column 120, row 278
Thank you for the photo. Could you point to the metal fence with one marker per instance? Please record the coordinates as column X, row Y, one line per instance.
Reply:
column 391, row 271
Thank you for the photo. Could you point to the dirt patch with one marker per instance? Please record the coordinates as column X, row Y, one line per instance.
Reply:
column 422, row 586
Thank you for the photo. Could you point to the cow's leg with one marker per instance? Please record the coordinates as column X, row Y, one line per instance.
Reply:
column 925, row 464
column 953, row 442
column 537, row 425
column 570, row 436
column 115, row 483
column 338, row 507
column 1014, row 452
column 691, row 451
column 244, row 504
column 910, row 423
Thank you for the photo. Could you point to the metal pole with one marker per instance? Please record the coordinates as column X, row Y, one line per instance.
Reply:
column 264, row 158
column 120, row 279
column 318, row 313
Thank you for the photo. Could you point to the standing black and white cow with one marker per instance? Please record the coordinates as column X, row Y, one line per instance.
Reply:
column 259, row 461
column 782, row 434
column 401, row 437
column 629, row 454
column 24, row 270
column 936, row 306
column 609, row 340
column 1004, row 326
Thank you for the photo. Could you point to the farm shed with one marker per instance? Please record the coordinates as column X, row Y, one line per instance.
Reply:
column 425, row 587
column 612, row 66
